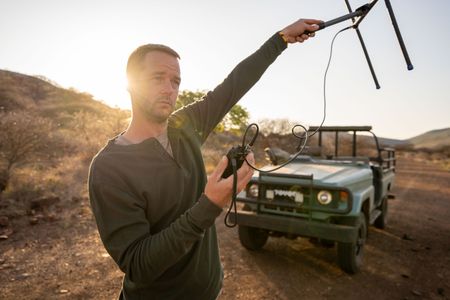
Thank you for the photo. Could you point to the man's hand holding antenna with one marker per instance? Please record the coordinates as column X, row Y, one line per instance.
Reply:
column 300, row 30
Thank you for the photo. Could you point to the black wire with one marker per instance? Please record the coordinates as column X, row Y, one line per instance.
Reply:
column 325, row 80
column 305, row 136
column 254, row 137
column 234, row 195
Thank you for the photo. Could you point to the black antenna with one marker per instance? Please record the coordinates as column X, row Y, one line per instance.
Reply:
column 399, row 35
column 363, row 45
column 357, row 17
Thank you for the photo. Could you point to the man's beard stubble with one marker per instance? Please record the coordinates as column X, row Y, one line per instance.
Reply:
column 151, row 112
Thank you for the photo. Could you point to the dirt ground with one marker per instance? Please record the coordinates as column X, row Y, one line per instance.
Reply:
column 62, row 257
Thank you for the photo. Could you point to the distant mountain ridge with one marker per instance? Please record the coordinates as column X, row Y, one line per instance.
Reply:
column 434, row 139
column 391, row 142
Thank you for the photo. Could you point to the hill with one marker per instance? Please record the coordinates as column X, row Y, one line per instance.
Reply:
column 434, row 139
column 24, row 92
column 48, row 135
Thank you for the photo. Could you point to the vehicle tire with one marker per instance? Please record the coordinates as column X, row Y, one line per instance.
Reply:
column 350, row 255
column 381, row 221
column 252, row 238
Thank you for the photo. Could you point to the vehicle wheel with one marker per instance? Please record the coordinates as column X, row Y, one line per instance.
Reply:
column 350, row 255
column 381, row 221
column 252, row 238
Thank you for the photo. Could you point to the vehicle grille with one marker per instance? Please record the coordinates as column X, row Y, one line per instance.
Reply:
column 286, row 200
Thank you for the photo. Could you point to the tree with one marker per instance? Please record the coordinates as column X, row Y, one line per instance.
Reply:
column 235, row 121
column 90, row 131
column 277, row 126
column 187, row 97
column 24, row 137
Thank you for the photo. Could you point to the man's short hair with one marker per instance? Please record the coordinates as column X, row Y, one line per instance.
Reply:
column 134, row 65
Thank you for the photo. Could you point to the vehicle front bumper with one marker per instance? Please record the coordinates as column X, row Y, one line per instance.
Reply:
column 301, row 227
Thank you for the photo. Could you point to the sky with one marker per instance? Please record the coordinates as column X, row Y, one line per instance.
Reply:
column 85, row 44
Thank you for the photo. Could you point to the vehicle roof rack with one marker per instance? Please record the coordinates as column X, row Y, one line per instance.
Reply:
column 340, row 128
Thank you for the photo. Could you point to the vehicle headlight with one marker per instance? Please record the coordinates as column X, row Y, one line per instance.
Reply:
column 324, row 197
column 253, row 190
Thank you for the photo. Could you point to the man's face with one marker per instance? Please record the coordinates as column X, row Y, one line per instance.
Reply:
column 155, row 90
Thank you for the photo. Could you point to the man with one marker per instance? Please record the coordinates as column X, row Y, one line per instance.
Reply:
column 155, row 208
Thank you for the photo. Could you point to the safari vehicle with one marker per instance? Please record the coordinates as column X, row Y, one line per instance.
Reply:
column 324, row 196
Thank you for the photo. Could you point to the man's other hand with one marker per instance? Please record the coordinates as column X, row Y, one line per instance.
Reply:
column 220, row 190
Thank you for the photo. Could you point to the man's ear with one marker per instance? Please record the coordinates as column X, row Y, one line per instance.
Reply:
column 132, row 89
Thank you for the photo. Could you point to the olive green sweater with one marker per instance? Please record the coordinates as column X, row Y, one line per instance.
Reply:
column 151, row 213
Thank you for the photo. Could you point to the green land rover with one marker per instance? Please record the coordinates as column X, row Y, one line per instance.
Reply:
column 328, row 197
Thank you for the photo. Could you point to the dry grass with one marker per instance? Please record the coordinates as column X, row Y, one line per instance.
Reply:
column 65, row 179
column 439, row 158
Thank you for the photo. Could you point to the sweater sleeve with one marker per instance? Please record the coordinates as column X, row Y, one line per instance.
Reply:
column 125, row 232
column 208, row 112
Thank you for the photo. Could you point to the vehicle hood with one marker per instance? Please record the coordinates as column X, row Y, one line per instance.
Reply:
column 327, row 174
